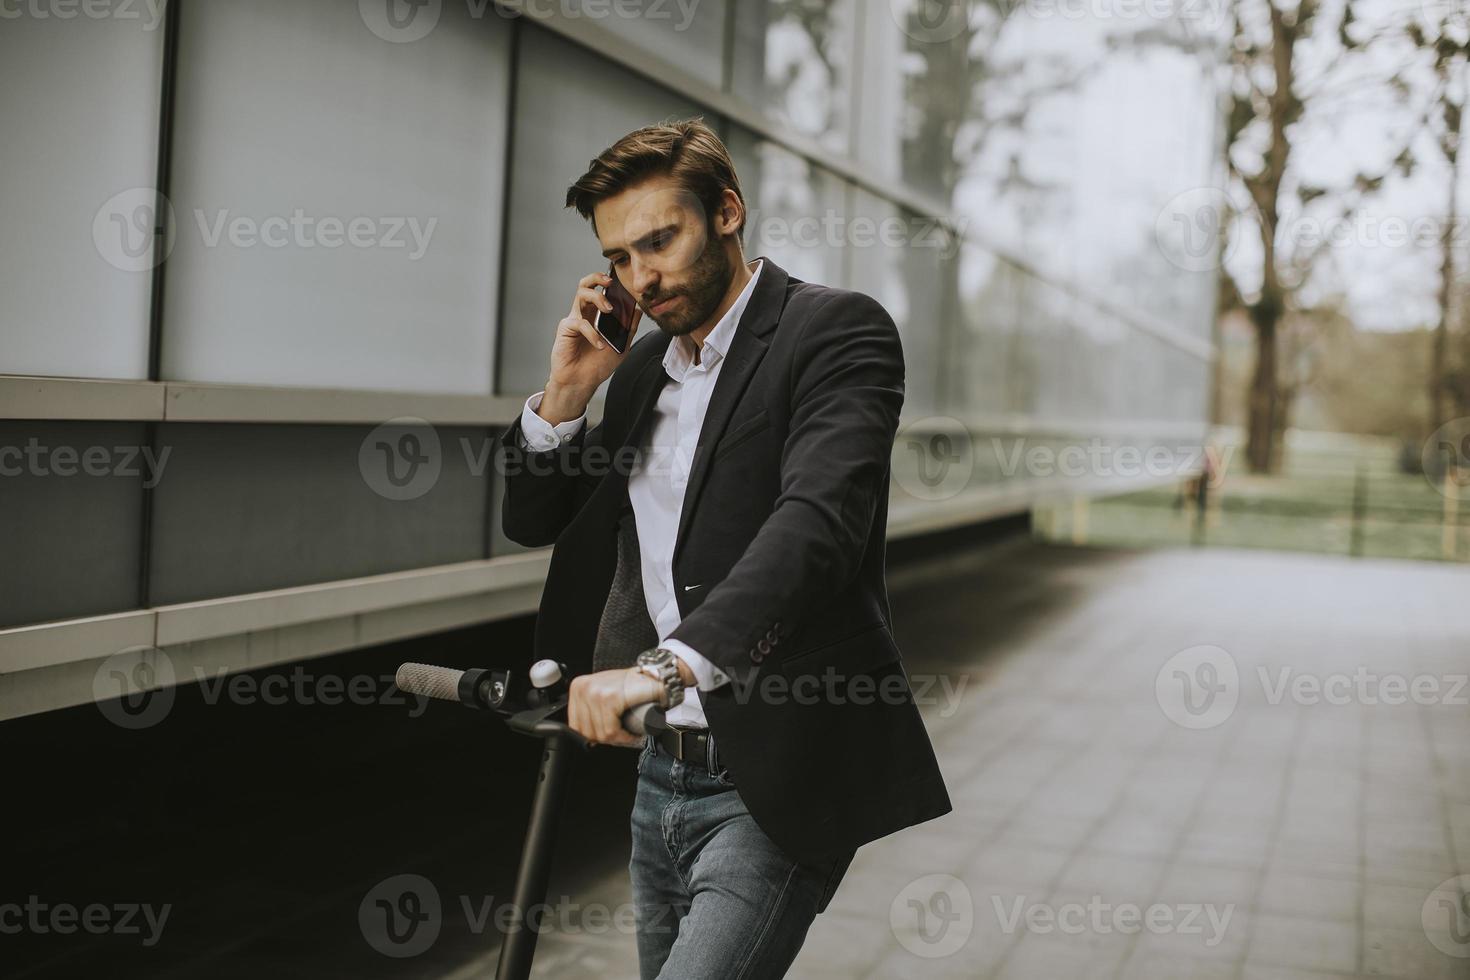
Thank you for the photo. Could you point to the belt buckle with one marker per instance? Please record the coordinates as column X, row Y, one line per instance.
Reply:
column 680, row 752
column 679, row 734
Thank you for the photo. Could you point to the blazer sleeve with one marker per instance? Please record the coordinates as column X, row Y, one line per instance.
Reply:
column 848, row 391
column 544, row 489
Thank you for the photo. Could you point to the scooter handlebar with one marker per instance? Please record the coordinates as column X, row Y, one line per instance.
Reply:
column 448, row 684
column 645, row 718
column 429, row 681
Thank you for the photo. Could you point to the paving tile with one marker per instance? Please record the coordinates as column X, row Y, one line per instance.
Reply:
column 1200, row 883
column 1308, row 896
column 1083, row 957
column 1198, row 936
column 1112, row 877
column 1172, row 966
column 847, row 945
column 1307, row 944
column 1408, row 954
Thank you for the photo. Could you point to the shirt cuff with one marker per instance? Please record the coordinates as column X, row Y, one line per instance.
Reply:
column 706, row 674
column 540, row 435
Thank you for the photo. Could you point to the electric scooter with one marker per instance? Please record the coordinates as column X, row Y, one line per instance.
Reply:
column 529, row 711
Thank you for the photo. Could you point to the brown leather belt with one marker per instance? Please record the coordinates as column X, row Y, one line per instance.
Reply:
column 692, row 745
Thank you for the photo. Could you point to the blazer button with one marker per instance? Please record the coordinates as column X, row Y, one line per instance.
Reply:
column 756, row 658
column 764, row 646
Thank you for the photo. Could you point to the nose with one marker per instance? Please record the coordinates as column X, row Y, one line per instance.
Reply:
column 643, row 278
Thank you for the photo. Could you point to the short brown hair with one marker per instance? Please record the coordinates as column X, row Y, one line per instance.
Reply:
column 687, row 150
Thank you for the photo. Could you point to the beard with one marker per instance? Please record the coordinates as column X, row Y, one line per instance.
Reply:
column 709, row 278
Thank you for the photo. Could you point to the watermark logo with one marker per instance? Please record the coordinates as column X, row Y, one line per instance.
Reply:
column 1099, row 917
column 134, row 688
column 137, row 10
column 1190, row 230
column 134, row 230
column 933, row 916
column 931, row 21
column 403, row 21
column 1446, row 917
column 401, row 459
column 833, row 229
column 1098, row 458
column 305, row 231
column 36, row 459
column 933, row 458
column 834, row 686
column 42, row 918
column 401, row 916
column 1198, row 688
column 1364, row 687
column 1446, row 458
column 400, row 21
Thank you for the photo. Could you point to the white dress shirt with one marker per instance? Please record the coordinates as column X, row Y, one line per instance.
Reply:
column 656, row 486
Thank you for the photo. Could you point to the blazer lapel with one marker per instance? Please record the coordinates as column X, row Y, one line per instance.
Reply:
column 748, row 347
column 646, row 388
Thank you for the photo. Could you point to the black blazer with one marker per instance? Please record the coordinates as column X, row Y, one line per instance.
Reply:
column 783, row 530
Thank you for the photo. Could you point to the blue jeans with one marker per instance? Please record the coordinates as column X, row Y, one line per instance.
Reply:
column 713, row 896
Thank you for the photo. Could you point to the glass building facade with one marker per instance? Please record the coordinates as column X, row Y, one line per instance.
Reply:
column 245, row 239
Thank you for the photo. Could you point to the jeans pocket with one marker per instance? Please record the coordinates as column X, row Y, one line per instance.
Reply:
column 644, row 753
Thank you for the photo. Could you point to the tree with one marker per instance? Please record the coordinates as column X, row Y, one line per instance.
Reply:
column 1270, row 94
column 1448, row 41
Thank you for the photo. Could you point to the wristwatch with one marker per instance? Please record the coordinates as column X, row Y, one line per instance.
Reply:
column 660, row 664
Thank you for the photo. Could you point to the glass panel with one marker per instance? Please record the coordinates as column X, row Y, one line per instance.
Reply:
column 80, row 99
column 689, row 34
column 1066, row 146
column 796, row 212
column 338, row 199
column 71, row 518
column 244, row 508
column 907, row 263
column 992, row 296
column 794, row 61
column 594, row 103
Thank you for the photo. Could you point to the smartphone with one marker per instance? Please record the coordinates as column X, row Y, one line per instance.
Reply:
column 616, row 327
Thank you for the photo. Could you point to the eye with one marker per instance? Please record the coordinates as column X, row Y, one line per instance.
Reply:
column 621, row 260
column 660, row 240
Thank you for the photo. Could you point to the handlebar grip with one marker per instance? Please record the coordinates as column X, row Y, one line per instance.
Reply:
column 645, row 718
column 429, row 681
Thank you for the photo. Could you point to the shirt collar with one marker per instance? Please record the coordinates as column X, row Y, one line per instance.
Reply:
column 678, row 360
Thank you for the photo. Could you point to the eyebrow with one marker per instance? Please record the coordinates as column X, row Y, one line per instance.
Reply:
column 608, row 253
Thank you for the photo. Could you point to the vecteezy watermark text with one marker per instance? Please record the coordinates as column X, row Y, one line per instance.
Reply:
column 1099, row 917
column 35, row 459
column 402, row 916
column 41, row 918
column 136, row 688
column 1201, row 686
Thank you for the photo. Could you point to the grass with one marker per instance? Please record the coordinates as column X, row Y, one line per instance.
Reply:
column 1335, row 495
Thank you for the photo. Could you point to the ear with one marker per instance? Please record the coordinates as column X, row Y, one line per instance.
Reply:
column 730, row 214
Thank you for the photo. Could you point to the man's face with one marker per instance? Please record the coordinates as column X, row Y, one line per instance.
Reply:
column 665, row 253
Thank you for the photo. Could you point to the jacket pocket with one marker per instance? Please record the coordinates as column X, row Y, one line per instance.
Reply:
column 756, row 423
column 863, row 649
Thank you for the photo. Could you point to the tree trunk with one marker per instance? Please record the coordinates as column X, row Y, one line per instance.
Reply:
column 1439, row 368
column 1264, row 399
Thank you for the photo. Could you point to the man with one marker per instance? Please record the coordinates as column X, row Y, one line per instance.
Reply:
column 727, row 518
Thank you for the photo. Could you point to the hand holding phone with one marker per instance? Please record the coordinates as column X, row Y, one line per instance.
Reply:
column 582, row 356
column 617, row 325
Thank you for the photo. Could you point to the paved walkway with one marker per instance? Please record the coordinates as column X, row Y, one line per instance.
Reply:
column 1182, row 765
